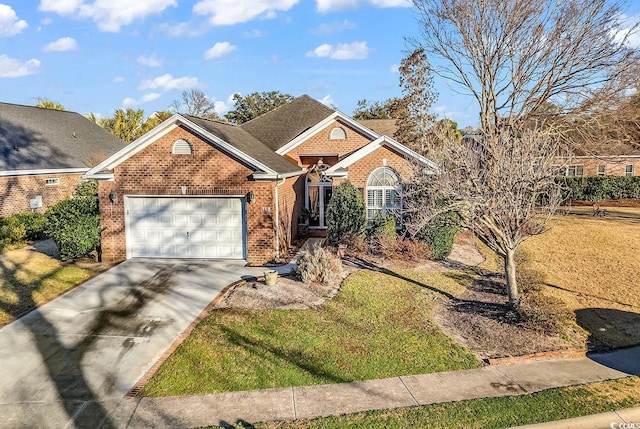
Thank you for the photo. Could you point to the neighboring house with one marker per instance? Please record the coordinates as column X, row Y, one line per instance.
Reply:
column 593, row 159
column 43, row 155
column 197, row 188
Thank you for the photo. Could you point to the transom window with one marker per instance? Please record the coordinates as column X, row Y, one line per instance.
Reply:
column 383, row 188
column 338, row 133
column 52, row 181
column 181, row 147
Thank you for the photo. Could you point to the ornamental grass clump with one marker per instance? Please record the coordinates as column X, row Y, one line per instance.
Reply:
column 319, row 265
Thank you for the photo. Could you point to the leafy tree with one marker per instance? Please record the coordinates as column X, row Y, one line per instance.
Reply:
column 255, row 104
column 346, row 213
column 414, row 121
column 127, row 124
column 45, row 103
column 374, row 110
column 195, row 103
column 514, row 58
column 74, row 223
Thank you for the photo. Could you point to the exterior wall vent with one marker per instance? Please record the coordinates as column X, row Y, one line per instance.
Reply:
column 181, row 147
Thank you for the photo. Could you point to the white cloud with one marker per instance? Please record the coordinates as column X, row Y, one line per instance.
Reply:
column 632, row 39
column 130, row 102
column 222, row 107
column 333, row 27
column 149, row 61
column 341, row 51
column 333, row 5
column 61, row 45
column 167, row 82
column 109, row 15
column 11, row 67
column 218, row 50
column 328, row 101
column 118, row 79
column 395, row 68
column 253, row 34
column 10, row 25
column 229, row 12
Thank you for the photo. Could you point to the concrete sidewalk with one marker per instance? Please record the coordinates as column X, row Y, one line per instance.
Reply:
column 322, row 400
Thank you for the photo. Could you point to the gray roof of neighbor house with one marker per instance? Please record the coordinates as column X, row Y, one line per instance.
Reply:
column 246, row 143
column 284, row 123
column 32, row 138
column 385, row 127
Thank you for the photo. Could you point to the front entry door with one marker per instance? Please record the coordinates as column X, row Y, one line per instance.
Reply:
column 319, row 195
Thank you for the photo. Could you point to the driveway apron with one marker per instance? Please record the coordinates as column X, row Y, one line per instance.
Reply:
column 93, row 343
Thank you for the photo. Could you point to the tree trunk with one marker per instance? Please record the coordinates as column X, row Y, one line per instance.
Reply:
column 510, row 274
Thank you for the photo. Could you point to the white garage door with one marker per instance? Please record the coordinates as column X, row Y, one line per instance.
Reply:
column 178, row 227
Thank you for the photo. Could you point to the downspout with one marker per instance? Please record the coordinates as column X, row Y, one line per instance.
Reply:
column 277, row 219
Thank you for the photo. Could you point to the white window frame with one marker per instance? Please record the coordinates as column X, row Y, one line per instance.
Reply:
column 338, row 133
column 378, row 196
column 576, row 170
column 604, row 170
column 52, row 181
column 629, row 169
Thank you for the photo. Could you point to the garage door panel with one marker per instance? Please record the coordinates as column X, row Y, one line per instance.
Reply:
column 175, row 227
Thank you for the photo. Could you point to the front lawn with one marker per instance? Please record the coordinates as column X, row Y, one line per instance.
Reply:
column 29, row 279
column 488, row 413
column 378, row 326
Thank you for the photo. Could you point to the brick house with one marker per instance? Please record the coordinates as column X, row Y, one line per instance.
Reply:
column 44, row 154
column 197, row 188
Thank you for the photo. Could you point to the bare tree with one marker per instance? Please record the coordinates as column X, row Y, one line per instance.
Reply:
column 515, row 56
column 535, row 68
column 195, row 103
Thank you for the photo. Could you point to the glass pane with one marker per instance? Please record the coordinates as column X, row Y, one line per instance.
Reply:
column 327, row 191
column 314, row 206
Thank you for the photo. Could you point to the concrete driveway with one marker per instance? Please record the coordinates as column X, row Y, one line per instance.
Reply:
column 91, row 345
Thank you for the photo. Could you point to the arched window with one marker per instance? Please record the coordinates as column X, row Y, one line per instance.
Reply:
column 383, row 188
column 338, row 133
column 181, row 147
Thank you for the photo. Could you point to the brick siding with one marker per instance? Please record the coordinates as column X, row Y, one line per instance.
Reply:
column 207, row 171
column 614, row 165
column 15, row 192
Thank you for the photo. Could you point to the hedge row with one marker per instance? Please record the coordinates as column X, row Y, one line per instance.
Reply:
column 601, row 187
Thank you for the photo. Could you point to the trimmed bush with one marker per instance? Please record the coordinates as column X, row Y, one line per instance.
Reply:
column 34, row 223
column 383, row 225
column 319, row 265
column 74, row 223
column 599, row 188
column 12, row 232
column 440, row 233
column 346, row 213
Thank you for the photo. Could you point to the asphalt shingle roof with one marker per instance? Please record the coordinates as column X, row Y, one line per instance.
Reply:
column 248, row 144
column 32, row 138
column 284, row 123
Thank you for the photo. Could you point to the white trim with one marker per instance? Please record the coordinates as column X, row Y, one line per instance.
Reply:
column 50, row 171
column 322, row 125
column 163, row 129
column 372, row 147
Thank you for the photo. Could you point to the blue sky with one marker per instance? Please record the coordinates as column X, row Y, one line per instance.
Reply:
column 100, row 55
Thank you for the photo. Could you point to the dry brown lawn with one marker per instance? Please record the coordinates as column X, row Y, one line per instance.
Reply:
column 593, row 264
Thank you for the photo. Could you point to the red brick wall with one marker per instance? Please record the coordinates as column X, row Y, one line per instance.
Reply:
column 208, row 171
column 322, row 144
column 290, row 202
column 614, row 166
column 359, row 171
column 15, row 192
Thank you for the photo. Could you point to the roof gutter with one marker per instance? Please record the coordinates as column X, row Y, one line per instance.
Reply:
column 43, row 171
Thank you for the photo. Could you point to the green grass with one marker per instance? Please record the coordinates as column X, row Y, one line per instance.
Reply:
column 489, row 413
column 377, row 327
column 29, row 279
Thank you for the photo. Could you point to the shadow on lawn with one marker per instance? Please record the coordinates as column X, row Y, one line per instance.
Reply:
column 63, row 355
column 609, row 328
